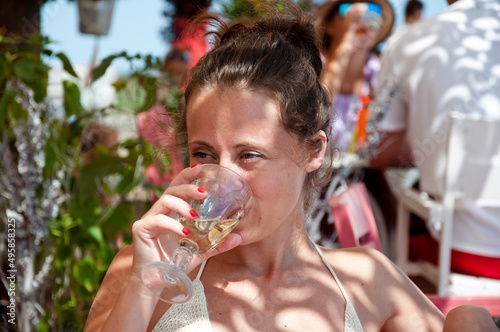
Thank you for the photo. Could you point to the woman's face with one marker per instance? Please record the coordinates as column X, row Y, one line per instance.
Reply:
column 364, row 23
column 241, row 130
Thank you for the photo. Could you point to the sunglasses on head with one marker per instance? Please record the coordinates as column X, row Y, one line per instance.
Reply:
column 372, row 17
column 372, row 8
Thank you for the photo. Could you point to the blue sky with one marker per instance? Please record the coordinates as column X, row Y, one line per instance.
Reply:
column 136, row 28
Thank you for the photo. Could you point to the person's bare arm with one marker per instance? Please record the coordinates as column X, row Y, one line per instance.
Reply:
column 337, row 56
column 335, row 67
column 119, row 283
column 411, row 308
column 393, row 150
column 469, row 318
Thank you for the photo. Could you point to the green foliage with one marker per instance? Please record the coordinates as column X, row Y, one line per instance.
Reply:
column 96, row 208
column 253, row 9
column 25, row 64
column 66, row 64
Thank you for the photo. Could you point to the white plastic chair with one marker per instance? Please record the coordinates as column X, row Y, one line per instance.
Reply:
column 472, row 172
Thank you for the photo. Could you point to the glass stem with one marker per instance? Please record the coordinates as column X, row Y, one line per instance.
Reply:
column 181, row 258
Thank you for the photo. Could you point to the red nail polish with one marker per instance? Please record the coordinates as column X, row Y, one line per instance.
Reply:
column 195, row 165
column 193, row 213
column 202, row 190
column 186, row 231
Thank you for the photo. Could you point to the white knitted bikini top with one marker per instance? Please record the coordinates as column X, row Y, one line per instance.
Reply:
column 193, row 315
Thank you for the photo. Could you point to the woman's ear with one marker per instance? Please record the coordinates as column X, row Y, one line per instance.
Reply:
column 316, row 159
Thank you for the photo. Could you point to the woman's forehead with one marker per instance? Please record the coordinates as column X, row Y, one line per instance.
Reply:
column 230, row 113
column 238, row 100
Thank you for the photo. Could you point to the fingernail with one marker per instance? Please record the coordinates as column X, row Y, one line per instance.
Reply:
column 193, row 213
column 202, row 190
column 195, row 165
column 186, row 231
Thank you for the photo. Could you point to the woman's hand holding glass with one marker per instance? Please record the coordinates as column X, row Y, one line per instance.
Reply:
column 160, row 231
column 156, row 222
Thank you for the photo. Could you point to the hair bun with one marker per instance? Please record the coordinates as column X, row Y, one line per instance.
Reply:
column 294, row 27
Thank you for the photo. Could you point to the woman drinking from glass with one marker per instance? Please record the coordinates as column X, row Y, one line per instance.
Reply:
column 255, row 104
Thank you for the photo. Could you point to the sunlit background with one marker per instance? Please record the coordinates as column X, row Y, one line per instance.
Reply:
column 136, row 28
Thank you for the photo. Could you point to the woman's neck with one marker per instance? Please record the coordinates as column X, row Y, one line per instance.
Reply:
column 285, row 247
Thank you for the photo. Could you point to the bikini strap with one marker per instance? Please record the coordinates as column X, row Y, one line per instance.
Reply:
column 198, row 276
column 332, row 272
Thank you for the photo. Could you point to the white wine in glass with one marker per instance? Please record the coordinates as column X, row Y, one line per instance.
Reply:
column 206, row 234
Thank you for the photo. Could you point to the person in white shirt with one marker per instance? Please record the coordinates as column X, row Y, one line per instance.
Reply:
column 448, row 63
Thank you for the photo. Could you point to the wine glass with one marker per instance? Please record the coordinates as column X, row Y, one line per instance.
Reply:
column 218, row 214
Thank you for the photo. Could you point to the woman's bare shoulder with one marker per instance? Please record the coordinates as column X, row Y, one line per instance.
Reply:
column 359, row 257
column 369, row 277
column 366, row 266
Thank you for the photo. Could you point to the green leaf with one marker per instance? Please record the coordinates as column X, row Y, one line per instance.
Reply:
column 150, row 85
column 84, row 208
column 101, row 69
column 72, row 103
column 66, row 64
column 4, row 108
column 39, row 88
column 7, row 40
column 120, row 220
column 25, row 69
column 106, row 254
column 131, row 98
column 93, row 173
column 86, row 274
column 5, row 66
column 63, row 252
column 39, row 40
column 43, row 325
column 68, row 223
column 47, row 52
column 93, row 229
column 15, row 112
column 127, row 183
column 34, row 73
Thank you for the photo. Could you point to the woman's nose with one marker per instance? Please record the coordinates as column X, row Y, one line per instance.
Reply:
column 228, row 163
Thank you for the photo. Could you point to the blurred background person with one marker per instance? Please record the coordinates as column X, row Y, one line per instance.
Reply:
column 413, row 11
column 432, row 71
column 349, row 32
column 413, row 14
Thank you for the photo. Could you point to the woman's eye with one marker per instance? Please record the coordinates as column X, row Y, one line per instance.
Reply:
column 250, row 155
column 200, row 154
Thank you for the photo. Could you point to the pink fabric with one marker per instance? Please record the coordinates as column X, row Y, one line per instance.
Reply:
column 353, row 218
column 153, row 127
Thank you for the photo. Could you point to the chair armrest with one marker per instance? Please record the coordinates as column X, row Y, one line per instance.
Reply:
column 422, row 205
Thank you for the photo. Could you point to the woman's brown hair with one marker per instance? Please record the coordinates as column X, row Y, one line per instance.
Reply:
column 280, row 56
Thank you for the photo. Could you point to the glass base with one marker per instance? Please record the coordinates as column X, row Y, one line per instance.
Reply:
column 167, row 282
